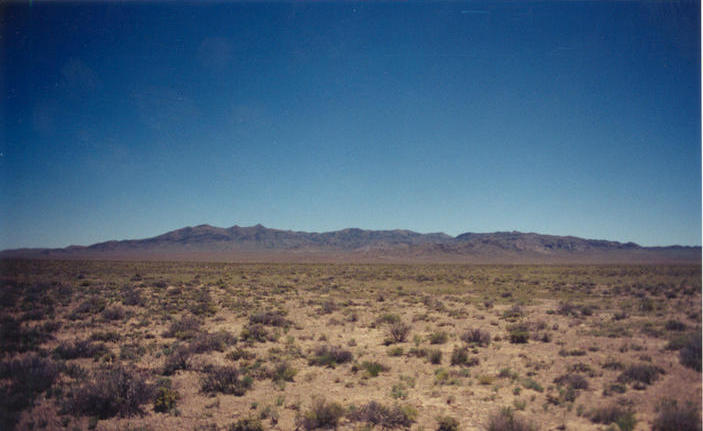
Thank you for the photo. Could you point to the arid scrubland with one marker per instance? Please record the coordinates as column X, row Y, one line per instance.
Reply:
column 151, row 346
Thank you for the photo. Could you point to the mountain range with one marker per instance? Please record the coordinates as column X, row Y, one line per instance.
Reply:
column 262, row 244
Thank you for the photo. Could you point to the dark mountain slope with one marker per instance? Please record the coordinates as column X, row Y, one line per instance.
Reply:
column 258, row 243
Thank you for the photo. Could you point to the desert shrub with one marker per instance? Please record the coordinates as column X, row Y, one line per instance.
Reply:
column 178, row 359
column 24, row 379
column 388, row 318
column 105, row 336
column 254, row 332
column 513, row 313
column 434, row 356
column 79, row 349
column 111, row 392
column 283, row 372
column 132, row 296
column 247, row 424
column 329, row 356
column 373, row 368
column 623, row 417
column 185, row 328
column 612, row 364
column 505, row 420
column 239, row 353
column 439, row 337
column 398, row 332
column 17, row 337
column 460, row 356
column 642, row 373
column 575, row 381
column 690, row 353
column 672, row 417
column 92, row 305
column 132, row 351
column 208, row 342
column 395, row 351
column 322, row 415
column 572, row 352
column 113, row 313
column 270, row 318
column 225, row 379
column 202, row 303
column 530, row 383
column 166, row 397
column 518, row 334
column 328, row 307
column 675, row 325
column 476, row 336
column 447, row 423
column 567, row 309
column 376, row 414
column 418, row 352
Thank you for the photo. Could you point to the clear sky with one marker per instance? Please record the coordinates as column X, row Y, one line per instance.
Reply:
column 125, row 120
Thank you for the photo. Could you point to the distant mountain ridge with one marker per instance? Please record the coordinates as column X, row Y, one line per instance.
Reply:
column 259, row 243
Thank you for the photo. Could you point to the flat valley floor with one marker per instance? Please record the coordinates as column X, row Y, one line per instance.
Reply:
column 209, row 346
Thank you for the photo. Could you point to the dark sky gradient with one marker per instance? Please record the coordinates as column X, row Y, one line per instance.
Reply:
column 125, row 120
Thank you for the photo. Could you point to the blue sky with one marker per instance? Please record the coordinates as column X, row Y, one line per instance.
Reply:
column 126, row 120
